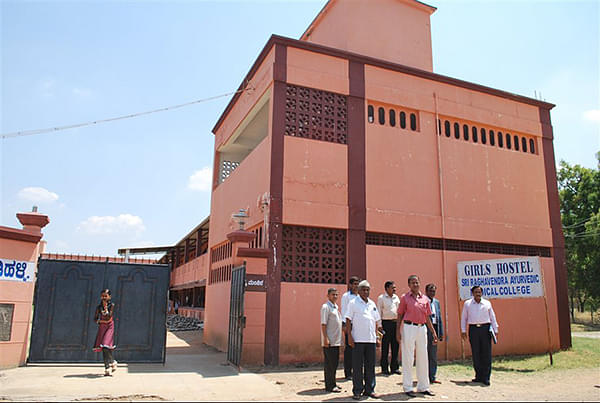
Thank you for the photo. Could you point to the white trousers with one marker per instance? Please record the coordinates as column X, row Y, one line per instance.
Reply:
column 414, row 342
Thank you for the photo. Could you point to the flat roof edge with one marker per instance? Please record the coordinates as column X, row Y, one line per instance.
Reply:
column 282, row 40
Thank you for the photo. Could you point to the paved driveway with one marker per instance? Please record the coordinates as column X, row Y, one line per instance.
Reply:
column 192, row 372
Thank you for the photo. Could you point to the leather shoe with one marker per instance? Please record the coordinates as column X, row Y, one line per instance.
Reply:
column 385, row 372
column 475, row 380
column 356, row 397
column 428, row 393
column 397, row 372
column 486, row 383
column 411, row 394
column 373, row 395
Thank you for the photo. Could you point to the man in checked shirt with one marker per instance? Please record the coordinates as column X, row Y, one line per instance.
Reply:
column 479, row 315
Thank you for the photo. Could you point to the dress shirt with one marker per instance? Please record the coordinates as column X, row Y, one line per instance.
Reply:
column 331, row 317
column 415, row 310
column 474, row 313
column 364, row 317
column 346, row 298
column 434, row 313
column 388, row 306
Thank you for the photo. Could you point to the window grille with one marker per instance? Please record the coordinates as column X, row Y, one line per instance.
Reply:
column 313, row 255
column 316, row 114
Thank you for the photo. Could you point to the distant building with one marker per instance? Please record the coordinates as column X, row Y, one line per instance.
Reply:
column 354, row 158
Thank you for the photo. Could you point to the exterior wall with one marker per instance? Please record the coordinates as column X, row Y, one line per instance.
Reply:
column 484, row 186
column 300, row 327
column 315, row 183
column 398, row 31
column 482, row 195
column 310, row 69
column 14, row 352
column 216, row 315
column 396, row 264
column 193, row 271
column 261, row 81
column 241, row 189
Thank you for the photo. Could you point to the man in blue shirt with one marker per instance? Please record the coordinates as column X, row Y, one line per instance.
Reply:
column 438, row 325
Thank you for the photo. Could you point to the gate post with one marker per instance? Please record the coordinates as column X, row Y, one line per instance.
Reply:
column 255, row 259
column 19, row 252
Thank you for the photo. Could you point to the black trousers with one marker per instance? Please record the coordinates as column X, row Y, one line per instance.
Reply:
column 389, row 340
column 363, row 367
column 481, row 347
column 347, row 358
column 431, row 355
column 107, row 356
column 331, row 357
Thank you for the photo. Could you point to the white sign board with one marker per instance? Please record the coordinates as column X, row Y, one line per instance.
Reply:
column 519, row 277
column 14, row 270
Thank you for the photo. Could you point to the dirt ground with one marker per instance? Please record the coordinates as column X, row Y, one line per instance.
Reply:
column 194, row 371
column 565, row 385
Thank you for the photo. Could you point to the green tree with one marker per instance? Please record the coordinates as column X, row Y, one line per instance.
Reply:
column 579, row 190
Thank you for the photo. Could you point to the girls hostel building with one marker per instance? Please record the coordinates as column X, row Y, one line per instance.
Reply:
column 354, row 158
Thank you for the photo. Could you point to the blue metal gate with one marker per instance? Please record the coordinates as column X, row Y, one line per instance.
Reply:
column 66, row 296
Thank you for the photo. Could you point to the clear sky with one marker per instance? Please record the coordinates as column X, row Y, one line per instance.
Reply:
column 145, row 181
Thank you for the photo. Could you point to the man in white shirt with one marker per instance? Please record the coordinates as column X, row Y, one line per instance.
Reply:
column 331, row 339
column 387, row 305
column 479, row 315
column 362, row 323
column 346, row 298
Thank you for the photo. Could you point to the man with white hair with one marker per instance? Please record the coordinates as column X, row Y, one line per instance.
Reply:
column 362, row 323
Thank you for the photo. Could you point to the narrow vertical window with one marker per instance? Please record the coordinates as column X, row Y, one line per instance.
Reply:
column 466, row 132
column 524, row 144
column 392, row 118
column 500, row 140
column 474, row 133
column 516, row 142
column 447, row 128
column 483, row 136
column 413, row 122
column 403, row 122
column 371, row 113
column 456, row 130
column 531, row 146
column 381, row 113
column 492, row 138
column 508, row 141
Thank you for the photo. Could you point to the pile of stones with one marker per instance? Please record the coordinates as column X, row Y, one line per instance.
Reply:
column 177, row 323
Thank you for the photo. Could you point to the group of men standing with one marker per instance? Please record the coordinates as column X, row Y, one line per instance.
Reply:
column 412, row 321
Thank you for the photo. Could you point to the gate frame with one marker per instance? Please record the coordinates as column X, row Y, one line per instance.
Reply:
column 237, row 319
column 105, row 270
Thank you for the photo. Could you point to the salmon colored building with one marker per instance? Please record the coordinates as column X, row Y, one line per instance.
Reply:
column 352, row 157
column 18, row 247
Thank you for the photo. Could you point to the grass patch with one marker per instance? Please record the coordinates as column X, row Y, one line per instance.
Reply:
column 585, row 353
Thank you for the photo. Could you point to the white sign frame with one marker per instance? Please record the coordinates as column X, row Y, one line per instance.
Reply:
column 516, row 277
column 17, row 270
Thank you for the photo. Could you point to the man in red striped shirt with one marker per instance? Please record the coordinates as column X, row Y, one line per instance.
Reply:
column 414, row 314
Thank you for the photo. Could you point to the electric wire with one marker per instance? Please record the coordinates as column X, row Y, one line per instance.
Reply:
column 122, row 117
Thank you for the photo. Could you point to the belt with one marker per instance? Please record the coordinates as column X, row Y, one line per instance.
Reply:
column 479, row 324
column 408, row 322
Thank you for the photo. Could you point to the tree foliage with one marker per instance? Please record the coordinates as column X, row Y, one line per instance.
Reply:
column 579, row 190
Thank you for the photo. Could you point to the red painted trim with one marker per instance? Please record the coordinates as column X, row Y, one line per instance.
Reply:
column 241, row 236
column 372, row 61
column 558, row 240
column 19, row 235
column 253, row 252
column 356, row 250
column 273, row 278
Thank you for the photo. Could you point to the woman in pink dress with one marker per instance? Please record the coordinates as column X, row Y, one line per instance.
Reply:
column 106, row 332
